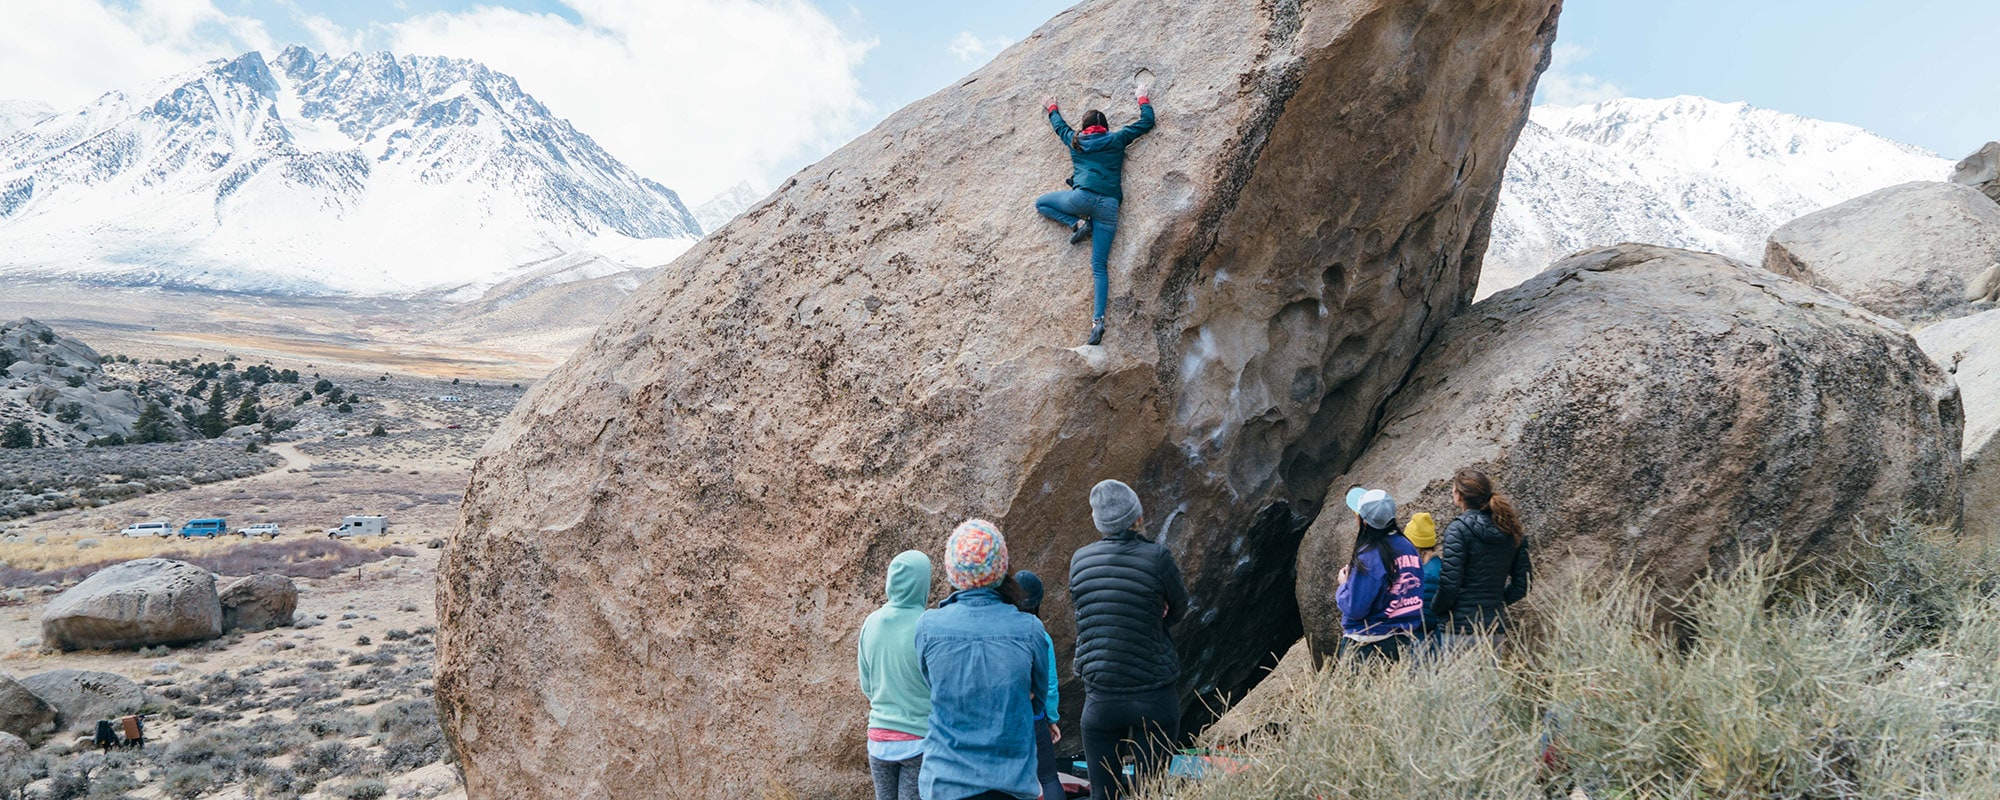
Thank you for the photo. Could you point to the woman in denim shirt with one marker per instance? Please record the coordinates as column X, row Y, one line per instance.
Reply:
column 984, row 661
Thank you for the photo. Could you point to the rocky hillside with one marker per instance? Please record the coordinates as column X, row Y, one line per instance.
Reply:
column 311, row 173
column 56, row 394
column 1682, row 172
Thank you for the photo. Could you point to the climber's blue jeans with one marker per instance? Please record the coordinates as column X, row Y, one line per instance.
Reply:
column 1070, row 206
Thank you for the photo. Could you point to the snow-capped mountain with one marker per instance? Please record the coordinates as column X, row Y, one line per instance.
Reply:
column 18, row 114
column 1686, row 172
column 308, row 174
column 722, row 208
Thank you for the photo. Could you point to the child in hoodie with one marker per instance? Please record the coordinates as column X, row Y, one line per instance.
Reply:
column 899, row 699
column 1046, row 732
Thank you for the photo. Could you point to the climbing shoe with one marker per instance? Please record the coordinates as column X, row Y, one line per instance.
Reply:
column 1080, row 231
column 1096, row 332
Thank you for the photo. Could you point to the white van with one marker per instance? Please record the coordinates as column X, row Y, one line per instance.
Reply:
column 360, row 525
column 156, row 528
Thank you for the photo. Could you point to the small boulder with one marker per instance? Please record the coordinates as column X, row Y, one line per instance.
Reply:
column 258, row 602
column 1918, row 251
column 22, row 712
column 1969, row 349
column 12, row 750
column 1981, row 171
column 1662, row 410
column 151, row 601
column 82, row 697
column 436, row 543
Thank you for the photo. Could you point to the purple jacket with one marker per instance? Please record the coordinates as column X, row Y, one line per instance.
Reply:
column 1375, row 601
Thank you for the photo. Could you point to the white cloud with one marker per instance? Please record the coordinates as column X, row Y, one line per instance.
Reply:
column 67, row 53
column 970, row 48
column 697, row 94
column 1562, row 85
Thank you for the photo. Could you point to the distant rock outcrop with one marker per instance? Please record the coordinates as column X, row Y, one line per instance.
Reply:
column 1917, row 252
column 258, row 602
column 1969, row 349
column 1665, row 409
column 151, row 601
column 22, row 712
column 54, row 386
column 1981, row 171
column 81, row 697
column 667, row 550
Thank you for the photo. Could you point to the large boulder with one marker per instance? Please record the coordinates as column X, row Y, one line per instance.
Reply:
column 1981, row 171
column 22, row 712
column 151, row 601
column 1969, row 349
column 82, row 697
column 1916, row 251
column 258, row 602
column 1664, row 410
column 680, row 531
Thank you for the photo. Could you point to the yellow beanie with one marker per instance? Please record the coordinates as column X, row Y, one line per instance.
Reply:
column 1422, row 531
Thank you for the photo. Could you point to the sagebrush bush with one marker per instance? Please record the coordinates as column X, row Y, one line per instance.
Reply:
column 1874, row 676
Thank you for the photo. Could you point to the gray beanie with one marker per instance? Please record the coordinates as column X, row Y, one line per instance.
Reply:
column 1113, row 506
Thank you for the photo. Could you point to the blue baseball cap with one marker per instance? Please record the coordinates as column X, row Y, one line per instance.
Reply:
column 1374, row 505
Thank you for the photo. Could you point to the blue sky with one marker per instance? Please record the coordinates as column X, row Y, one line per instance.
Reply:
column 789, row 80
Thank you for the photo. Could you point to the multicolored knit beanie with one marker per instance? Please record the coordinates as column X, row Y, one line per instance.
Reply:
column 975, row 556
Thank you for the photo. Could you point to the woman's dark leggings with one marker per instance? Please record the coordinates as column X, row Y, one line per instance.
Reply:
column 1045, row 762
column 1142, row 725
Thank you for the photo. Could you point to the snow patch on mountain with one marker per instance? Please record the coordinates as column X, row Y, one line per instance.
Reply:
column 19, row 114
column 315, row 174
column 722, row 208
column 1684, row 172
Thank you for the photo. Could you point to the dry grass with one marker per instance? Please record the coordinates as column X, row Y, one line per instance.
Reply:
column 302, row 557
column 1887, row 686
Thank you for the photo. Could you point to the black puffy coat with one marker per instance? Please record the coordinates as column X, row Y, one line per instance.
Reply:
column 1480, row 573
column 1126, row 591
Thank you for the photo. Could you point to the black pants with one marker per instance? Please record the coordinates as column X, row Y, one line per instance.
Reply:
column 1142, row 725
column 1045, row 762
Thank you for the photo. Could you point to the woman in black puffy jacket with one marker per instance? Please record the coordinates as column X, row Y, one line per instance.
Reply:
column 1484, row 563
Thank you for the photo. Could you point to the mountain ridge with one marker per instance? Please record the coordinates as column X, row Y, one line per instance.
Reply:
column 1682, row 172
column 315, row 174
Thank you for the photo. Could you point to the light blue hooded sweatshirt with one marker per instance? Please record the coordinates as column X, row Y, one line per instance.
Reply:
column 899, row 699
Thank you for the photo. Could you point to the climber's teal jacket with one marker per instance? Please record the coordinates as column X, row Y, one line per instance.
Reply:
column 1098, row 158
column 899, row 699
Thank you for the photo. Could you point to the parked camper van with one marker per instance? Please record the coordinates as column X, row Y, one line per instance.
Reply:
column 155, row 528
column 360, row 525
column 205, row 528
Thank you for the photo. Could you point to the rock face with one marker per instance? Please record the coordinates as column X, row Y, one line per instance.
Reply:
column 151, row 601
column 82, row 697
column 1919, row 251
column 1981, row 171
column 1969, row 348
column 681, row 529
column 1663, row 408
column 22, row 713
column 53, row 384
column 258, row 602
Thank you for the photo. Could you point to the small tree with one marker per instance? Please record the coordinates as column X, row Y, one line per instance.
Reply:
column 152, row 426
column 379, row 431
column 322, row 386
column 199, row 388
column 7, row 359
column 17, row 435
column 344, row 408
column 246, row 411
column 214, row 422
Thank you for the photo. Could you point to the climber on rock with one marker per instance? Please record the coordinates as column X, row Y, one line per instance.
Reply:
column 1090, row 207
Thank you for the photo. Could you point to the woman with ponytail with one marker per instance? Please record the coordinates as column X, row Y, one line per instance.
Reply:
column 1484, row 564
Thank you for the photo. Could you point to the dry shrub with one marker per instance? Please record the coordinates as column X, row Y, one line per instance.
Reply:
column 305, row 557
column 1882, row 683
